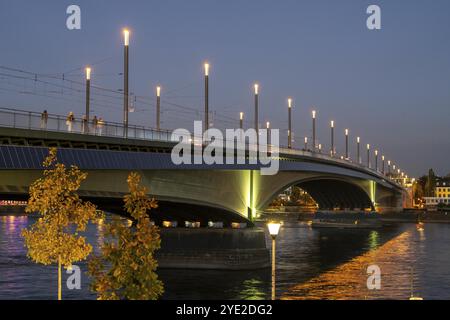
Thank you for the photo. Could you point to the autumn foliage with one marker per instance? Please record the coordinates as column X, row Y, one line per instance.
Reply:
column 54, row 237
column 126, row 267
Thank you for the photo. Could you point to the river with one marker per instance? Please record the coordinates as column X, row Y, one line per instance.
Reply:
column 311, row 264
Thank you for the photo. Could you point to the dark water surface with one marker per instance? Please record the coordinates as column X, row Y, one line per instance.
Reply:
column 311, row 264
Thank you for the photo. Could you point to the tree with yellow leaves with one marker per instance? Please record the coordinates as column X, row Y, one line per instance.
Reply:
column 52, row 239
column 126, row 268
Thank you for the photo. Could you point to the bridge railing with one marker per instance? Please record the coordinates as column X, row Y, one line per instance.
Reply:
column 22, row 119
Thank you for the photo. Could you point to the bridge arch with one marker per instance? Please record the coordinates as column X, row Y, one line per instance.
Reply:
column 330, row 192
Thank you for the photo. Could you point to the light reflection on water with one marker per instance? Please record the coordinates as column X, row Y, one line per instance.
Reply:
column 311, row 264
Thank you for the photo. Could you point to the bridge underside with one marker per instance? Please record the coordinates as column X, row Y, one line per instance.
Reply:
column 330, row 194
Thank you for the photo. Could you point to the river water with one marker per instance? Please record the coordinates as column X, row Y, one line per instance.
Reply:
column 311, row 264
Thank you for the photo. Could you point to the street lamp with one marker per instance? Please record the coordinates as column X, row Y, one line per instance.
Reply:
column 358, row 145
column 206, row 67
column 306, row 143
column 88, row 98
column 274, row 228
column 389, row 167
column 346, row 144
column 241, row 120
column 126, row 43
column 314, row 130
column 382, row 166
column 268, row 131
column 332, row 137
column 368, row 156
column 289, row 123
column 256, row 89
column 376, row 160
column 158, row 108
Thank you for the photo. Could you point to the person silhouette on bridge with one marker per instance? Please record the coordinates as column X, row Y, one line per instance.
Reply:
column 44, row 119
column 100, row 126
column 84, row 125
column 69, row 121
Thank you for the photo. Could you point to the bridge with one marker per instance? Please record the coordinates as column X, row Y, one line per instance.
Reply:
column 196, row 192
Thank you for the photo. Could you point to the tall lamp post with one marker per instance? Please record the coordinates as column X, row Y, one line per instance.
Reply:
column 268, row 132
column 158, row 108
column 314, row 130
column 88, row 98
column 358, row 149
column 346, row 144
column 368, row 156
column 274, row 228
column 256, row 91
column 241, row 120
column 206, row 66
column 126, row 42
column 332, row 138
column 289, row 123
column 376, row 160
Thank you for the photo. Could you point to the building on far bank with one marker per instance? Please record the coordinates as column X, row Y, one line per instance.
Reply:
column 441, row 194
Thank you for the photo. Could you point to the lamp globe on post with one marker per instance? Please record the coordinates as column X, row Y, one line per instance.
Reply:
column 274, row 229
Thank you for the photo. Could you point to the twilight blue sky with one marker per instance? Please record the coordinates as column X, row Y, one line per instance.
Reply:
column 391, row 86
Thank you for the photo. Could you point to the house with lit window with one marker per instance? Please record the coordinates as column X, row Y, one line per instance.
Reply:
column 441, row 194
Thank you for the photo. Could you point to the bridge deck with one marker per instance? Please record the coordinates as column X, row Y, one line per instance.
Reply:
column 23, row 128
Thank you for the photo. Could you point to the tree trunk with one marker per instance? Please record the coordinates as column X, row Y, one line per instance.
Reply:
column 59, row 279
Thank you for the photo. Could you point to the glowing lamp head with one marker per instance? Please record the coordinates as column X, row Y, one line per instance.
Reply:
column 346, row 132
column 376, row 152
column 332, row 123
column 290, row 102
column 382, row 158
column 320, row 146
column 206, row 66
column 274, row 228
column 88, row 73
column 368, row 146
column 126, row 37
column 314, row 114
column 306, row 139
column 389, row 162
column 158, row 91
column 267, row 124
column 256, row 88
column 358, row 139
column 241, row 115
